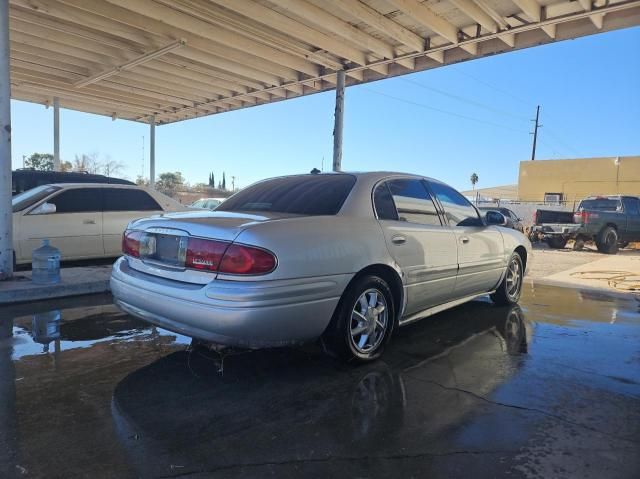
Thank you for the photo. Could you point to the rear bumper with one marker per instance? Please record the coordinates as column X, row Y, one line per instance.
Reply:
column 559, row 229
column 235, row 313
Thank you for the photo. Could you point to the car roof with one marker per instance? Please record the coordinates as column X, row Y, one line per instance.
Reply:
column 94, row 185
column 365, row 175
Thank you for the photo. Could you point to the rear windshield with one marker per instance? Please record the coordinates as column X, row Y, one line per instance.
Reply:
column 602, row 204
column 299, row 195
column 30, row 197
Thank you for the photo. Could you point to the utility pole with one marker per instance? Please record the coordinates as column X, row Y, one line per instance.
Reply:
column 535, row 133
column 233, row 183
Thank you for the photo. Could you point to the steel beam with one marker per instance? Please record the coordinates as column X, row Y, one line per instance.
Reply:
column 338, row 123
column 6, row 211
column 152, row 152
column 56, row 134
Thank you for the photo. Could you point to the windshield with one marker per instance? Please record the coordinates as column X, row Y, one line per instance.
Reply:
column 602, row 204
column 30, row 197
column 300, row 195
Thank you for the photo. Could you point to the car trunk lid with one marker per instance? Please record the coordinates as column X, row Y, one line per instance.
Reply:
column 163, row 240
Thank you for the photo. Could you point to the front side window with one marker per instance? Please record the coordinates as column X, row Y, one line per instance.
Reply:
column 28, row 198
column 128, row 199
column 459, row 211
column 78, row 200
column 413, row 202
column 298, row 195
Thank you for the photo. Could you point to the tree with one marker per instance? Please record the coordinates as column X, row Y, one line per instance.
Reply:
column 87, row 162
column 224, row 182
column 66, row 166
column 474, row 179
column 112, row 168
column 40, row 161
column 140, row 181
column 212, row 180
column 169, row 182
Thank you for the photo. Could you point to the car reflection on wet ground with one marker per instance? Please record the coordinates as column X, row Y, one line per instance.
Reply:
column 547, row 389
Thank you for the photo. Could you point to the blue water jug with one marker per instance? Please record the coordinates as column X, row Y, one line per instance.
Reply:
column 45, row 264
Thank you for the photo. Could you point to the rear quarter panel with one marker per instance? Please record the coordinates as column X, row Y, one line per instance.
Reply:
column 318, row 246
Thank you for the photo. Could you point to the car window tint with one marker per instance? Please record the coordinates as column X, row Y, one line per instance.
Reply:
column 78, row 200
column 413, row 202
column 299, row 195
column 383, row 202
column 602, row 204
column 458, row 210
column 125, row 199
column 631, row 205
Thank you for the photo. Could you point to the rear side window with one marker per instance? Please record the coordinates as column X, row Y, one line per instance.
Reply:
column 383, row 203
column 457, row 208
column 299, row 195
column 413, row 202
column 601, row 204
column 79, row 200
column 125, row 199
column 632, row 206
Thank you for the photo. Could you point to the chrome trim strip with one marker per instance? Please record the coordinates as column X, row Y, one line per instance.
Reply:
column 441, row 307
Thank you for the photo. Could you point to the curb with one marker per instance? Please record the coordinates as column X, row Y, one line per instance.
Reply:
column 35, row 293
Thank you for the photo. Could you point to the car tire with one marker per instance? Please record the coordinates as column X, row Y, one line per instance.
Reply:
column 556, row 242
column 360, row 329
column 510, row 288
column 607, row 240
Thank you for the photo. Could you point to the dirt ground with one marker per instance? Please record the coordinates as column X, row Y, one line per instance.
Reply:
column 587, row 268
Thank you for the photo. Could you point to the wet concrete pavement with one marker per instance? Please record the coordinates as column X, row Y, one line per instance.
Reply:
column 547, row 389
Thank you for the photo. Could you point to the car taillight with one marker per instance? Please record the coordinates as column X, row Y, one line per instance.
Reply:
column 584, row 217
column 204, row 254
column 131, row 242
column 241, row 259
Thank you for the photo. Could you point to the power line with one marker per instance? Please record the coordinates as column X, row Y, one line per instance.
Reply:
column 446, row 112
column 498, row 89
column 555, row 137
column 466, row 100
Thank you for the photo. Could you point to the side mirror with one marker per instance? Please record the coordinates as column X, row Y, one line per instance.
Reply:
column 44, row 209
column 496, row 218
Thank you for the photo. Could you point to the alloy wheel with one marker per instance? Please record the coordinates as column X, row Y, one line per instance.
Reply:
column 369, row 321
column 514, row 278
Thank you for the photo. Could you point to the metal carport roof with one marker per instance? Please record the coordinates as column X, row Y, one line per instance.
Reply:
column 181, row 59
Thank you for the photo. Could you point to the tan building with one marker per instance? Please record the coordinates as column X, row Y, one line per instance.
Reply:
column 572, row 180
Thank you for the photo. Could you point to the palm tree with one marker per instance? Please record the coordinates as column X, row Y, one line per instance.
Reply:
column 474, row 180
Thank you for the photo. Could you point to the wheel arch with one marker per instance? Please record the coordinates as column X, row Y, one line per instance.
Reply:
column 522, row 251
column 391, row 277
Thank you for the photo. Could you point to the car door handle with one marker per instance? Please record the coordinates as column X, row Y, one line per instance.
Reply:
column 464, row 239
column 398, row 239
column 88, row 222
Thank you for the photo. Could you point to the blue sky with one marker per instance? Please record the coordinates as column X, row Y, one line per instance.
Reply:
column 445, row 123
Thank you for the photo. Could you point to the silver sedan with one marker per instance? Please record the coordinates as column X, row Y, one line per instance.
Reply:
column 343, row 257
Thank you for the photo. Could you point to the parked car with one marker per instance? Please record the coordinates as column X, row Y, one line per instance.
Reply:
column 207, row 203
column 81, row 220
column 345, row 257
column 26, row 178
column 513, row 220
column 610, row 221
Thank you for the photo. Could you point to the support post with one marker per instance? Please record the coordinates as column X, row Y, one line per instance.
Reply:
column 338, row 123
column 152, row 152
column 56, row 133
column 6, row 211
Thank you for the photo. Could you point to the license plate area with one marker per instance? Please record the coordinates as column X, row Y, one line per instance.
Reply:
column 164, row 249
